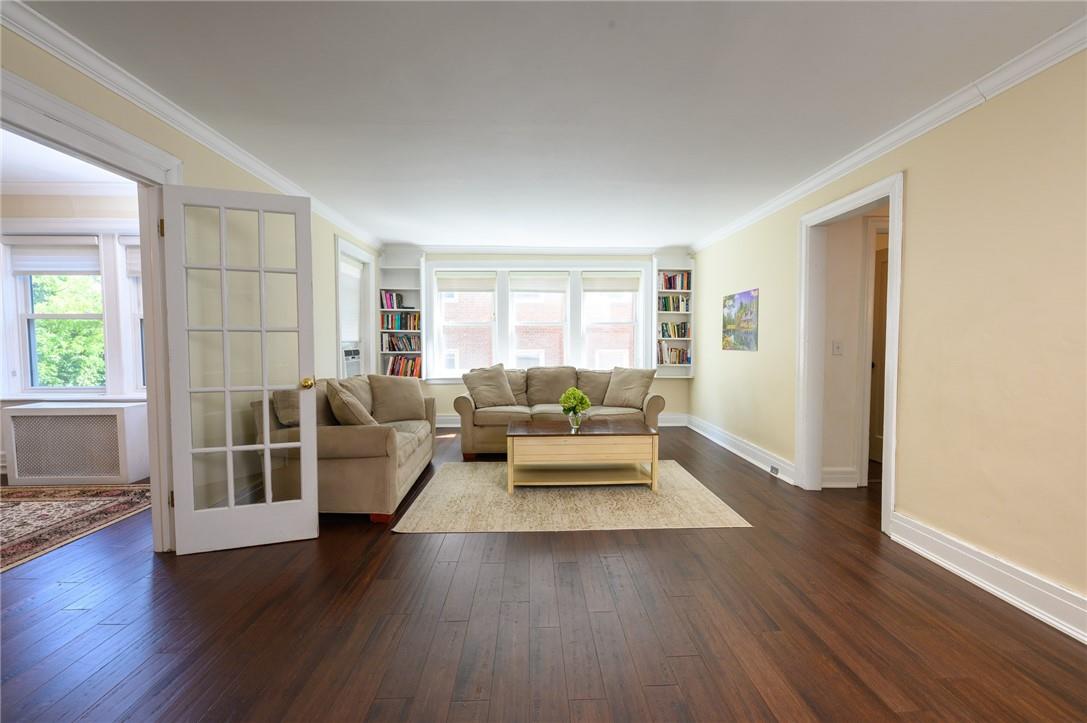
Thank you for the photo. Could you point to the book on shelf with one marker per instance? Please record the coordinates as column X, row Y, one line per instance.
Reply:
column 393, row 300
column 679, row 280
column 404, row 366
column 400, row 321
column 672, row 354
column 674, row 303
column 680, row 330
column 400, row 342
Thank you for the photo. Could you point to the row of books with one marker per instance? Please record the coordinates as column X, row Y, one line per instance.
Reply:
column 680, row 280
column 672, row 355
column 400, row 342
column 682, row 330
column 400, row 322
column 673, row 303
column 393, row 300
column 404, row 366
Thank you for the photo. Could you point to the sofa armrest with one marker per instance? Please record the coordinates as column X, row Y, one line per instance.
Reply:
column 355, row 441
column 466, row 408
column 652, row 407
column 431, row 407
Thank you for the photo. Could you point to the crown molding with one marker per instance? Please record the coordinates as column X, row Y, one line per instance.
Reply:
column 1057, row 47
column 58, row 42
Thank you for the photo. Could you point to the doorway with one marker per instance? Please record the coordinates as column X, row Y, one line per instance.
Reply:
column 355, row 282
column 819, row 349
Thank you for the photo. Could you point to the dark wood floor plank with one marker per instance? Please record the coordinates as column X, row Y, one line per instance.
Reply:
column 810, row 613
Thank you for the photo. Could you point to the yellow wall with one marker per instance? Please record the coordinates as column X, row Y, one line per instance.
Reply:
column 202, row 166
column 992, row 402
column 69, row 206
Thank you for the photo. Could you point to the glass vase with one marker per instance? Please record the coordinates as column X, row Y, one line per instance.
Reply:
column 575, row 420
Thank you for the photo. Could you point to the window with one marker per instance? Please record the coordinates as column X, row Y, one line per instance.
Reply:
column 610, row 318
column 72, row 314
column 537, row 303
column 465, row 321
column 61, row 324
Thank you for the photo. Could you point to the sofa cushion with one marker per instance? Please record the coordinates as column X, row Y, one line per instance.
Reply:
column 346, row 407
column 628, row 387
column 517, row 380
column 594, row 384
column 406, row 444
column 285, row 404
column 397, row 398
column 546, row 384
column 547, row 412
column 501, row 416
column 615, row 412
column 489, row 387
column 359, row 386
column 419, row 428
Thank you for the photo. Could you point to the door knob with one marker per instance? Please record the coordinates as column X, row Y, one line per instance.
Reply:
column 307, row 383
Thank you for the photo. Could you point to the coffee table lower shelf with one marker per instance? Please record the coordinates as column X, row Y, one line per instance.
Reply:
column 581, row 460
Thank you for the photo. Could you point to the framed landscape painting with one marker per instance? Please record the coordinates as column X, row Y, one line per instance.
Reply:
column 740, row 321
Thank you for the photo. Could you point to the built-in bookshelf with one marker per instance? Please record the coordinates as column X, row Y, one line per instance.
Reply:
column 400, row 312
column 675, row 319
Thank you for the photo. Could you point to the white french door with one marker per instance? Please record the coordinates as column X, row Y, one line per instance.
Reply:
column 240, row 327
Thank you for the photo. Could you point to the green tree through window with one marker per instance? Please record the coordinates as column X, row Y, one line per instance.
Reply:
column 66, row 352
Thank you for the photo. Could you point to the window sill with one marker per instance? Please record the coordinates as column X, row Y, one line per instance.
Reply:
column 72, row 397
column 438, row 381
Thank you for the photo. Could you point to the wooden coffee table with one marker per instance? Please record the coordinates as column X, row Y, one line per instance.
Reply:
column 603, row 452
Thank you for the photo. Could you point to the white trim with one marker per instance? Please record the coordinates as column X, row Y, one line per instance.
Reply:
column 754, row 454
column 1053, row 604
column 811, row 333
column 58, row 42
column 73, row 188
column 447, row 420
column 674, row 419
column 68, row 226
column 58, row 124
column 841, row 477
column 1050, row 51
column 345, row 247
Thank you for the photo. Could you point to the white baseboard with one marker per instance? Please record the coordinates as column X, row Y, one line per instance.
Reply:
column 1052, row 604
column 448, row 420
column 673, row 420
column 840, row 477
column 752, row 453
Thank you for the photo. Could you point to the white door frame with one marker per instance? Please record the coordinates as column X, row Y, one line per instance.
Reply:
column 811, row 333
column 347, row 248
column 30, row 111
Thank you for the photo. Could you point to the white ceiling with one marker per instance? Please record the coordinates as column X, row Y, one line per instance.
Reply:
column 27, row 167
column 582, row 125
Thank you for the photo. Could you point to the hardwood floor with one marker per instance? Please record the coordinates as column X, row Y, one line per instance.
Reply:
column 809, row 614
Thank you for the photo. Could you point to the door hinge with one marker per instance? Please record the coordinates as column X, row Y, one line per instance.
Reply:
column 171, row 498
column 162, row 227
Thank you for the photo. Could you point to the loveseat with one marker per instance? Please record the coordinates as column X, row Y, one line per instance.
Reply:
column 536, row 393
column 361, row 468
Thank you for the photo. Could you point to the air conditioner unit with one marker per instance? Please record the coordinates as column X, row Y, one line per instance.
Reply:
column 48, row 443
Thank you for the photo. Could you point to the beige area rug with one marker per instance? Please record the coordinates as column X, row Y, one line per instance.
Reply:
column 471, row 497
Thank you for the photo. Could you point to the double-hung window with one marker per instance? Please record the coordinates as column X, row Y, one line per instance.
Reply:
column 61, row 321
column 609, row 318
column 135, row 304
column 465, row 321
column 538, row 318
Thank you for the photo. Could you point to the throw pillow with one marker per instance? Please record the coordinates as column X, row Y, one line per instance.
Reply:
column 397, row 398
column 546, row 384
column 489, row 387
column 285, row 404
column 346, row 406
column 358, row 386
column 594, row 384
column 628, row 387
column 518, row 380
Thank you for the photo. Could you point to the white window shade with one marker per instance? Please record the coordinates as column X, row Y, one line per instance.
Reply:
column 539, row 280
column 466, row 280
column 66, row 260
column 132, row 260
column 611, row 280
column 350, row 299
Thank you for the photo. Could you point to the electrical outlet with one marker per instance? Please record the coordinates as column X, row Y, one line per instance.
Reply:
column 836, row 348
column 773, row 469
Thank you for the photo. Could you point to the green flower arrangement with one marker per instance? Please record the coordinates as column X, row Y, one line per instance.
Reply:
column 573, row 402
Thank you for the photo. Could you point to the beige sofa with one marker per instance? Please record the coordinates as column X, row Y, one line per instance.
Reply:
column 365, row 469
column 483, row 430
